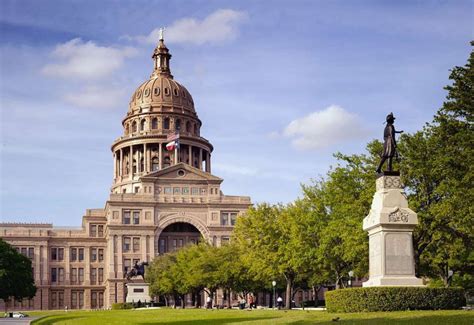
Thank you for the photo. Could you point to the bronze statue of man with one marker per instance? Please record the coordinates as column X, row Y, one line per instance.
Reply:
column 389, row 145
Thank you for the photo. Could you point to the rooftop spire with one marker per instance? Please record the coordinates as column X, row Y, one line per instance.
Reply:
column 161, row 58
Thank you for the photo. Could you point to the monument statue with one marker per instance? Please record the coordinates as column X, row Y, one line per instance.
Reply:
column 390, row 144
column 138, row 269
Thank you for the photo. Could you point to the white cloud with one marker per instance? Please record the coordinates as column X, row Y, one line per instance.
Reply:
column 86, row 60
column 96, row 97
column 219, row 26
column 324, row 128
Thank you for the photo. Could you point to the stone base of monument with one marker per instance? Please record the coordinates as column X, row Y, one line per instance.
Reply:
column 138, row 292
column 390, row 225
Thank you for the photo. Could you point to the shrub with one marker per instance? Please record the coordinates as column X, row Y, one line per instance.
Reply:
column 122, row 305
column 393, row 298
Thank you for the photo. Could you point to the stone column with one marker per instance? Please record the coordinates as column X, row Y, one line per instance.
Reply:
column 119, row 257
column 115, row 165
column 190, row 154
column 151, row 243
column 87, row 265
column 37, row 264
column 390, row 225
column 121, row 163
column 208, row 162
column 160, row 157
column 145, row 159
column 130, row 162
column 143, row 247
column 45, row 261
column 67, row 265
column 200, row 158
column 111, row 256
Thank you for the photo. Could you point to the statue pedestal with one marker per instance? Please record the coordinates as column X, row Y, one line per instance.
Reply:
column 138, row 292
column 390, row 225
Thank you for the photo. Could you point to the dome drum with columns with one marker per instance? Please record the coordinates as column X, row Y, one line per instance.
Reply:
column 159, row 107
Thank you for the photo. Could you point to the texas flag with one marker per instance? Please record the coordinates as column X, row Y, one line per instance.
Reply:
column 172, row 145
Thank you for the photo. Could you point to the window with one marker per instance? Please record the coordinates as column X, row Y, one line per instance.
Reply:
column 162, row 246
column 126, row 217
column 93, row 275
column 224, row 218
column 134, row 126
column 176, row 190
column 54, row 300
column 157, row 91
column 94, row 299
column 126, row 244
column 142, row 125
column 93, row 230
column 134, row 167
column 154, row 123
column 154, row 164
column 175, row 244
column 93, row 254
column 54, row 275
column 77, row 299
column 188, row 126
column 137, row 189
column 100, row 230
column 175, row 91
column 185, row 190
column 101, row 254
column 73, row 276
column 167, row 91
column 195, row 128
column 31, row 252
column 167, row 162
column 166, row 123
column 60, row 275
column 142, row 164
column 127, row 263
column 178, row 125
column 80, row 273
column 80, row 254
column 73, row 256
column 136, row 217
column 54, row 254
column 100, row 275
column 23, row 251
column 194, row 191
column 168, row 190
column 136, row 244
column 60, row 299
column 225, row 240
column 60, row 254
column 233, row 218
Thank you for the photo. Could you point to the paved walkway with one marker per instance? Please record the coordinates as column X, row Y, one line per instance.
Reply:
column 17, row 321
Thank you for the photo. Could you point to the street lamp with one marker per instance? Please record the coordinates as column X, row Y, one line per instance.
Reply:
column 351, row 274
column 450, row 276
column 274, row 297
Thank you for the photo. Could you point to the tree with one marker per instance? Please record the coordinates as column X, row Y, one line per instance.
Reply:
column 438, row 171
column 16, row 276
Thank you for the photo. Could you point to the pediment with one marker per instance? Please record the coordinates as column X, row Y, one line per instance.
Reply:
column 183, row 173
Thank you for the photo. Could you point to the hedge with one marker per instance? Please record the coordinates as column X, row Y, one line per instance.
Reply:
column 122, row 305
column 393, row 298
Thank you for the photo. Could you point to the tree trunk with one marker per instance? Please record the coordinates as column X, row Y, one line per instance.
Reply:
column 289, row 286
column 183, row 302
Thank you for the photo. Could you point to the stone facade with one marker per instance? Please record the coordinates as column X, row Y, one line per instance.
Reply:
column 160, row 201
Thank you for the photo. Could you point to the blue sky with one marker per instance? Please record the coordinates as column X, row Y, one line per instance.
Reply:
column 280, row 86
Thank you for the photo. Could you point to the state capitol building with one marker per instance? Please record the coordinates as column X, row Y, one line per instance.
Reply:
column 163, row 196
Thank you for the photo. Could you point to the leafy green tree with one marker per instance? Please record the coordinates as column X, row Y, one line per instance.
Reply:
column 16, row 276
column 438, row 170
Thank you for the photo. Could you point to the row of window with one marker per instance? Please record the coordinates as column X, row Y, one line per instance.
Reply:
column 228, row 218
column 27, row 251
column 77, row 254
column 77, row 275
column 141, row 125
column 131, row 244
column 130, row 216
column 183, row 190
column 156, row 92
column 175, row 244
column 96, row 230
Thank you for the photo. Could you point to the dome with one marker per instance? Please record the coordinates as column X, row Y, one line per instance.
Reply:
column 159, row 91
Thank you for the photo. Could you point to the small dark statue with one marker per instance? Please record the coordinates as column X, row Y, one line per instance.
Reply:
column 389, row 145
column 138, row 269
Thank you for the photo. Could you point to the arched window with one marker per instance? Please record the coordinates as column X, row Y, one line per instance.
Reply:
column 188, row 126
column 142, row 165
column 142, row 125
column 166, row 123
column 127, row 129
column 155, row 164
column 134, row 166
column 134, row 126
column 166, row 162
column 178, row 124
column 127, row 166
column 154, row 123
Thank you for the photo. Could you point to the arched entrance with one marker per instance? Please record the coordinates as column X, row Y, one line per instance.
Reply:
column 176, row 236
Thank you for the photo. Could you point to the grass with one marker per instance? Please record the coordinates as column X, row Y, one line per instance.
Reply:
column 202, row 316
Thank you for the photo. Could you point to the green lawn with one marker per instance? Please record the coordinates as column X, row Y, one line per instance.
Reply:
column 202, row 316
